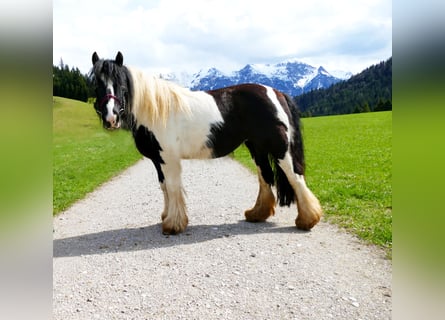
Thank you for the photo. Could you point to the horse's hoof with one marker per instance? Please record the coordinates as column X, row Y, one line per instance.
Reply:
column 255, row 215
column 306, row 224
column 169, row 228
column 169, row 232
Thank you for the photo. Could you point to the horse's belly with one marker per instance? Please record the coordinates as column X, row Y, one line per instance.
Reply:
column 185, row 139
column 202, row 153
column 194, row 145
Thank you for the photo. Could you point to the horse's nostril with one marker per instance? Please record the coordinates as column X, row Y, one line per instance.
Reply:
column 112, row 119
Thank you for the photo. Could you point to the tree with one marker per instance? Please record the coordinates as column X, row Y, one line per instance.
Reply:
column 69, row 83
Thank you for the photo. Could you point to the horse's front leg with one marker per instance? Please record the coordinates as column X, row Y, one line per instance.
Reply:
column 164, row 191
column 174, row 217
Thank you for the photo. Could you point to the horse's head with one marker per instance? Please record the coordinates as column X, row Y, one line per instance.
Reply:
column 111, row 81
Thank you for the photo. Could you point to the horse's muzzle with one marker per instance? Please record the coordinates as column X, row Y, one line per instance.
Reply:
column 112, row 122
column 113, row 127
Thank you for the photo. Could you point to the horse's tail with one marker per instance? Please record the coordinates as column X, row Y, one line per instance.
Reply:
column 285, row 192
column 296, row 143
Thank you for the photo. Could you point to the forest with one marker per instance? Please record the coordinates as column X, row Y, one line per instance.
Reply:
column 370, row 90
column 70, row 83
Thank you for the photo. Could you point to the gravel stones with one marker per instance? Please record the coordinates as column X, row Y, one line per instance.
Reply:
column 111, row 260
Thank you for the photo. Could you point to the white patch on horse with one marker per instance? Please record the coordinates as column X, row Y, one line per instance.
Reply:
column 188, row 133
column 281, row 114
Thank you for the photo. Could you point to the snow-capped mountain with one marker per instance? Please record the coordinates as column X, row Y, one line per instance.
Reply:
column 291, row 77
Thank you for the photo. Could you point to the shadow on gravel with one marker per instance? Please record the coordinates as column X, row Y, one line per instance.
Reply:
column 151, row 237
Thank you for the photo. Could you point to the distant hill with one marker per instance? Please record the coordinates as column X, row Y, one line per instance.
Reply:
column 370, row 90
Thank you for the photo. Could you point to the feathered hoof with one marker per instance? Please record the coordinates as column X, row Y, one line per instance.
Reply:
column 259, row 214
column 307, row 223
column 169, row 228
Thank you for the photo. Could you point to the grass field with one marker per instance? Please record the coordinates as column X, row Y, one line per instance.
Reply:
column 349, row 167
column 84, row 154
column 348, row 159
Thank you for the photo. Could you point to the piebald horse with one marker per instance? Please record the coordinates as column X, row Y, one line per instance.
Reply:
column 170, row 123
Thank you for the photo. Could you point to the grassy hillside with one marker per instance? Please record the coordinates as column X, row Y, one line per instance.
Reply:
column 84, row 154
column 349, row 167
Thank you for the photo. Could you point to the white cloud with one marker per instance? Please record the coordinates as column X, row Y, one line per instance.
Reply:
column 189, row 35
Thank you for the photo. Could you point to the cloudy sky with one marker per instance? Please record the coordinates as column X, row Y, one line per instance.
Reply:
column 189, row 35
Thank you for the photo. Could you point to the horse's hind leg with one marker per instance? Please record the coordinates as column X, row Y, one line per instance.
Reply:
column 174, row 217
column 309, row 209
column 265, row 203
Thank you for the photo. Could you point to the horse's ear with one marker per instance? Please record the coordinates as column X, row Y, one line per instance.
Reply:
column 119, row 59
column 95, row 58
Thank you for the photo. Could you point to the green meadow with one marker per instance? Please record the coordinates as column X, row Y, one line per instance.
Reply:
column 348, row 164
column 84, row 154
column 349, row 168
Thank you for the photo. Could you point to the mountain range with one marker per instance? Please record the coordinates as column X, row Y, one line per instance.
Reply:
column 291, row 77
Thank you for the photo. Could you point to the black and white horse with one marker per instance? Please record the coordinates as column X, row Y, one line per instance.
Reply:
column 170, row 123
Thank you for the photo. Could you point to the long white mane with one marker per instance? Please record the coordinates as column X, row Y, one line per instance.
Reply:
column 155, row 99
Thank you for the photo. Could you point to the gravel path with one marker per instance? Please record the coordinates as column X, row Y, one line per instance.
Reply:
column 111, row 260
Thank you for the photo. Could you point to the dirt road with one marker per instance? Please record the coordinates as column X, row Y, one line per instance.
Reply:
column 111, row 260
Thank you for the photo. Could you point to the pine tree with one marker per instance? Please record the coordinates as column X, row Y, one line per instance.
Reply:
column 70, row 83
